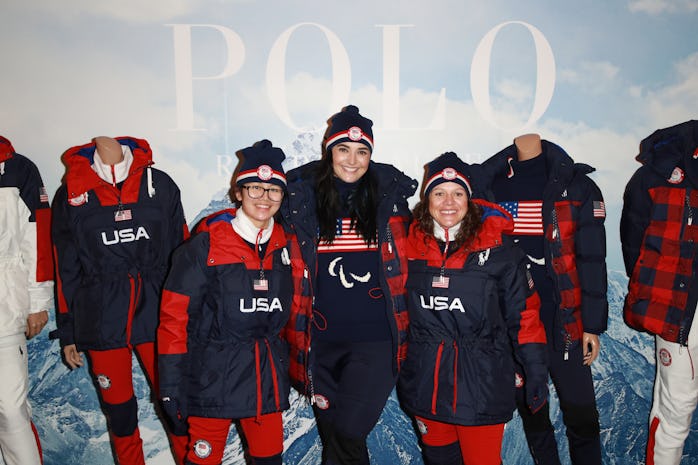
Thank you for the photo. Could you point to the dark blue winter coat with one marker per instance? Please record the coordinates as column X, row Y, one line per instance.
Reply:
column 220, row 353
column 110, row 269
column 465, row 336
column 659, row 233
column 574, row 241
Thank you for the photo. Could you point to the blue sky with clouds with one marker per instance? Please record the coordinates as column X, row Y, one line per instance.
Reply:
column 75, row 70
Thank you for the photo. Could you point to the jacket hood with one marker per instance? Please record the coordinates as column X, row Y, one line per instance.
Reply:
column 496, row 222
column 80, row 177
column 6, row 149
column 671, row 148
column 560, row 165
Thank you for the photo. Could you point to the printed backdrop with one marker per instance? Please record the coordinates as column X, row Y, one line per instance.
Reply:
column 202, row 79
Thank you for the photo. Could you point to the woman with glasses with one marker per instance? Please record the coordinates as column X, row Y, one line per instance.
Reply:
column 226, row 299
column 350, row 214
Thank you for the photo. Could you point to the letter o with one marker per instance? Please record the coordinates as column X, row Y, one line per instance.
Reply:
column 480, row 75
column 276, row 69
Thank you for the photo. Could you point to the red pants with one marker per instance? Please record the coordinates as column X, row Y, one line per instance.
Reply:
column 113, row 372
column 265, row 437
column 481, row 445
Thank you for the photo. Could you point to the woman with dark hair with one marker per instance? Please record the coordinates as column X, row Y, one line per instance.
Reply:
column 473, row 310
column 350, row 215
column 225, row 302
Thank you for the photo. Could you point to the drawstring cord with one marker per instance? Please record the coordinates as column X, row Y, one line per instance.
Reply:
column 151, row 187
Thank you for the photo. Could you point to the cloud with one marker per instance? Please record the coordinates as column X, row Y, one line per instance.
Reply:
column 592, row 77
column 677, row 101
column 655, row 7
column 135, row 11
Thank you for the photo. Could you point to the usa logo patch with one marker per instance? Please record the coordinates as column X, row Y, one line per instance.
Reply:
column 322, row 402
column 665, row 357
column 422, row 427
column 77, row 201
column 264, row 172
column 103, row 381
column 676, row 176
column 449, row 173
column 355, row 133
column 202, row 448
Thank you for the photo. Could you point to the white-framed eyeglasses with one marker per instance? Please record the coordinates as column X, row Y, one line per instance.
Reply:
column 275, row 194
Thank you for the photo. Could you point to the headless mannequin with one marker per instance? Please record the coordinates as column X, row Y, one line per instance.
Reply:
column 108, row 149
column 110, row 152
column 528, row 146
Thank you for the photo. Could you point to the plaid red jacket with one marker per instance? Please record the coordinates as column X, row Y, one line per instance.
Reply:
column 659, row 234
column 575, row 240
column 298, row 212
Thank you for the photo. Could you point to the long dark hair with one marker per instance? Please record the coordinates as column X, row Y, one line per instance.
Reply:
column 468, row 228
column 361, row 204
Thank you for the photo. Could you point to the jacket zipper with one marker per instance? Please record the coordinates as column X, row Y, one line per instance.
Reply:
column 558, row 240
column 688, row 222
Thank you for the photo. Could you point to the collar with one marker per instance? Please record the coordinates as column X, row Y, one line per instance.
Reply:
column 248, row 231
column 114, row 174
column 440, row 233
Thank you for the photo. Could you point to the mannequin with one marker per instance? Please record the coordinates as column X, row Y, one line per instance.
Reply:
column 108, row 149
column 123, row 277
column 110, row 152
column 528, row 146
column 549, row 185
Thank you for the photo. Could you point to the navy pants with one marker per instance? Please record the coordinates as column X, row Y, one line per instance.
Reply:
column 575, row 389
column 351, row 383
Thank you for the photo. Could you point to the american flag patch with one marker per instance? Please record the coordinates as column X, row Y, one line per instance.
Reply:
column 43, row 196
column 599, row 209
column 260, row 285
column 346, row 239
column 122, row 215
column 440, row 282
column 528, row 216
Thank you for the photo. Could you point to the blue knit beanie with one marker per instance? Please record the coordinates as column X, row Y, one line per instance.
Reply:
column 262, row 163
column 447, row 168
column 349, row 126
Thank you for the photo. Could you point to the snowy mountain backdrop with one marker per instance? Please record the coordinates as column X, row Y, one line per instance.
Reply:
column 73, row 428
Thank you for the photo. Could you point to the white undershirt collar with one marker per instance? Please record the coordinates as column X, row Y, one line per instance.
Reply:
column 248, row 231
column 440, row 233
column 116, row 173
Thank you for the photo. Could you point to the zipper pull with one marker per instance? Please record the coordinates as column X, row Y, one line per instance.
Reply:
column 567, row 355
column 690, row 210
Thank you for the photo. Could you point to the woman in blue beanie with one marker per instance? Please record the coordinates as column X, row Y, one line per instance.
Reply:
column 350, row 215
column 473, row 311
